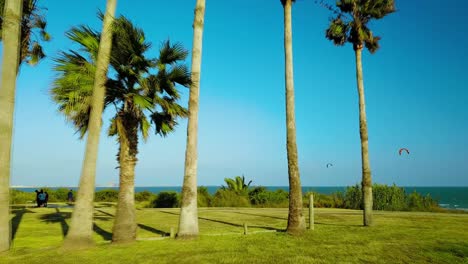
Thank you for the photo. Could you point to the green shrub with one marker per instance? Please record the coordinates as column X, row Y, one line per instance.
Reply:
column 338, row 200
column 58, row 195
column 203, row 197
column 390, row 198
column 166, row 200
column 353, row 197
column 258, row 195
column 20, row 197
column 417, row 202
column 334, row 200
column 229, row 198
column 108, row 195
column 144, row 196
column 261, row 197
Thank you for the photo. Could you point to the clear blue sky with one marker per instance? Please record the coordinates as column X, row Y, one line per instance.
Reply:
column 416, row 90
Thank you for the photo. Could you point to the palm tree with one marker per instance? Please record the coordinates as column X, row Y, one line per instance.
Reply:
column 33, row 30
column 351, row 25
column 138, row 96
column 11, row 44
column 237, row 185
column 188, row 221
column 296, row 221
column 81, row 228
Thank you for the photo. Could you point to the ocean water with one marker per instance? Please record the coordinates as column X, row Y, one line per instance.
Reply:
column 447, row 197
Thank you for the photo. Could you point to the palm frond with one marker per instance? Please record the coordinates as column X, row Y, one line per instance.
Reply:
column 112, row 131
column 140, row 98
column 143, row 102
column 179, row 74
column 171, row 54
column 36, row 54
column 87, row 38
column 355, row 28
column 145, row 126
column 73, row 87
column 337, row 31
column 33, row 24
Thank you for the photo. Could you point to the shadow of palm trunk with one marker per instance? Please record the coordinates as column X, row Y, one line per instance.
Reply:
column 228, row 223
column 16, row 220
column 63, row 223
column 106, row 235
column 153, row 230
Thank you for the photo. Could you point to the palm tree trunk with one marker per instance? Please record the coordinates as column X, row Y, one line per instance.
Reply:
column 296, row 221
column 11, row 46
column 81, row 228
column 366, row 170
column 124, row 229
column 188, row 222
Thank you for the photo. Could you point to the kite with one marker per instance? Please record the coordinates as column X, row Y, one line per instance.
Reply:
column 403, row 149
column 329, row 165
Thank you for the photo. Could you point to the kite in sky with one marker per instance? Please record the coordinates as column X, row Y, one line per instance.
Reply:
column 403, row 149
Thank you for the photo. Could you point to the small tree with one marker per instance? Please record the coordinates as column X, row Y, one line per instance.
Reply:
column 237, row 185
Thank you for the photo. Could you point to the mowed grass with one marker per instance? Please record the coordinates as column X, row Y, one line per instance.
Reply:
column 397, row 237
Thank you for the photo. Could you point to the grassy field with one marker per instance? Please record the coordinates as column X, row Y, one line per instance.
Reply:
column 398, row 237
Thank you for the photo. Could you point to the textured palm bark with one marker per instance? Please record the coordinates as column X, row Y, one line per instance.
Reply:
column 81, row 227
column 296, row 220
column 188, row 221
column 124, row 229
column 11, row 46
column 366, row 170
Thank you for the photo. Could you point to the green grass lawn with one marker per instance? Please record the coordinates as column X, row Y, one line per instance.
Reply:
column 398, row 237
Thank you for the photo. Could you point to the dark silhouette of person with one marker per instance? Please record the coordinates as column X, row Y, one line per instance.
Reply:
column 41, row 197
column 37, row 198
column 70, row 196
column 46, row 199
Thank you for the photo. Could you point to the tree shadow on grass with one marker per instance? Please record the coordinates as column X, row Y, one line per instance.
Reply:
column 16, row 220
column 58, row 217
column 228, row 223
column 104, row 205
column 105, row 213
column 332, row 224
column 153, row 230
column 268, row 216
column 103, row 233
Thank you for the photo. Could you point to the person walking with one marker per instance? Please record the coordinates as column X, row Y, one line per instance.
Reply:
column 70, row 196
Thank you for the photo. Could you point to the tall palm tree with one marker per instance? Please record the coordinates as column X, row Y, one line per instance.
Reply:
column 351, row 25
column 11, row 44
column 33, row 30
column 296, row 220
column 138, row 96
column 188, row 221
column 81, row 228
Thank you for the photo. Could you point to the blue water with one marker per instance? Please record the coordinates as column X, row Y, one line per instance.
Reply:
column 448, row 197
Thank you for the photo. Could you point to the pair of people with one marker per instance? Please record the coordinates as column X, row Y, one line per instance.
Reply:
column 41, row 198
